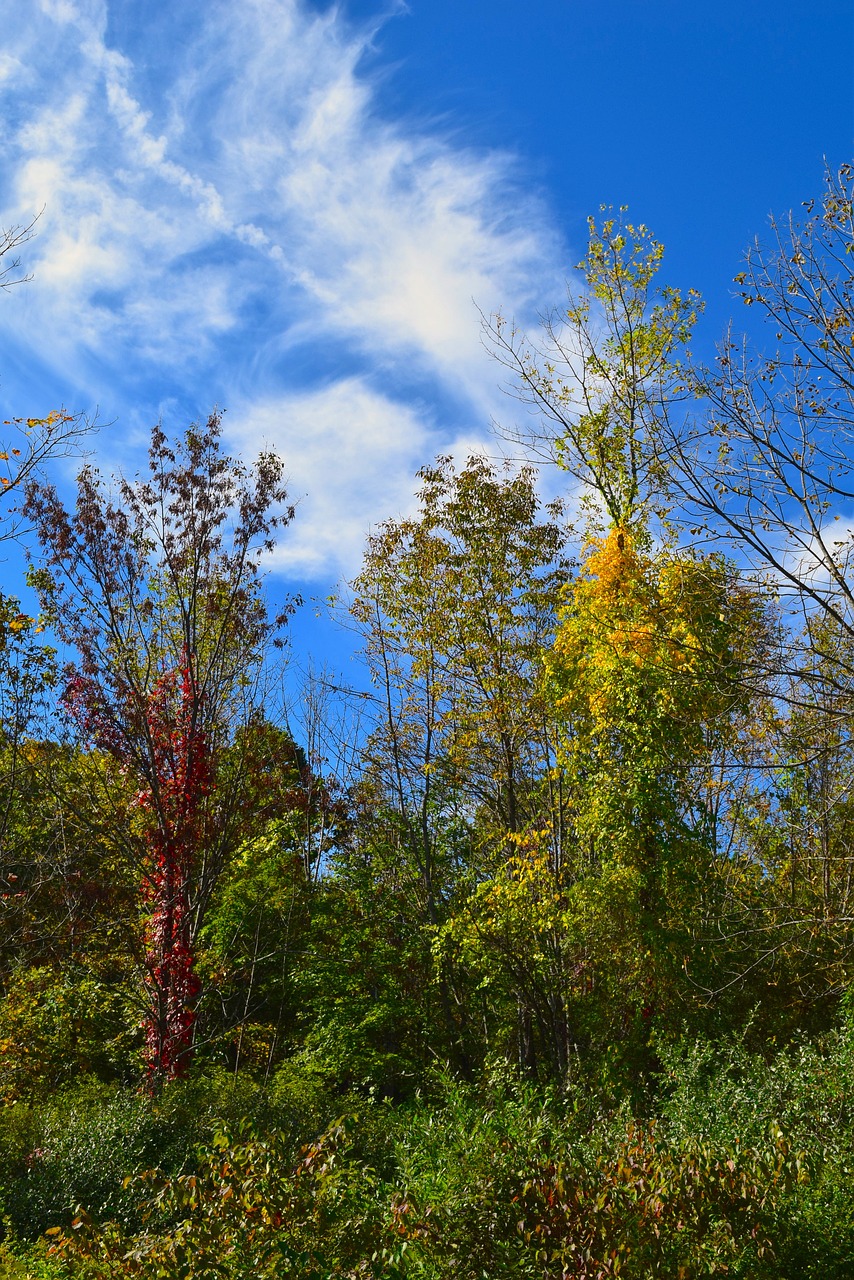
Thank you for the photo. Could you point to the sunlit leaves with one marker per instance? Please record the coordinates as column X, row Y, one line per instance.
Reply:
column 606, row 372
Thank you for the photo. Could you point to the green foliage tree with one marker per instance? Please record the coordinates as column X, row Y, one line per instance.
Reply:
column 456, row 605
column 604, row 374
column 649, row 673
column 252, row 948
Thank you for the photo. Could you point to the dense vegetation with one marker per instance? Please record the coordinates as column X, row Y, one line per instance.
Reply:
column 532, row 957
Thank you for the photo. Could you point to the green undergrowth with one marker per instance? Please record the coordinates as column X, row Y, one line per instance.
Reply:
column 740, row 1166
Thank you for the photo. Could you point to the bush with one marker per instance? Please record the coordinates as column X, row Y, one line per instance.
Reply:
column 80, row 1149
column 74, row 1150
column 721, row 1093
column 745, row 1170
column 249, row 1209
column 31, row 1264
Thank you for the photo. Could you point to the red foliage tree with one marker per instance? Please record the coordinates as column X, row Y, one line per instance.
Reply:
column 158, row 588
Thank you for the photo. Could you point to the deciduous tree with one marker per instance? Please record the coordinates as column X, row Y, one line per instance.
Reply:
column 603, row 375
column 157, row 585
column 770, row 466
column 456, row 606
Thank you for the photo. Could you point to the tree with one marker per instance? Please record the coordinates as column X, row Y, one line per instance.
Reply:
column 603, row 377
column 27, row 674
column 648, row 673
column 769, row 467
column 254, row 939
column 157, row 585
column 456, row 606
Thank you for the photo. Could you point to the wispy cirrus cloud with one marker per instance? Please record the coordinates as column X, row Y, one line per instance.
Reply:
column 229, row 217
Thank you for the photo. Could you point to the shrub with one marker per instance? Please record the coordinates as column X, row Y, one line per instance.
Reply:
column 249, row 1209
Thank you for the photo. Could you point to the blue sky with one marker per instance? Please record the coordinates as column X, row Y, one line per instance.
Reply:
column 293, row 209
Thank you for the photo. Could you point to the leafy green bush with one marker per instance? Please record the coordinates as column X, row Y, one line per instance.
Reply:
column 745, row 1170
column 29, row 1264
column 74, row 1150
column 89, row 1145
column 722, row 1093
column 249, row 1209
column 523, row 1189
column 77, row 1148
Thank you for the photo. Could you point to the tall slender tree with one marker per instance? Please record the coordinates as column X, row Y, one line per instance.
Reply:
column 769, row 467
column 157, row 585
column 648, row 671
column 456, row 606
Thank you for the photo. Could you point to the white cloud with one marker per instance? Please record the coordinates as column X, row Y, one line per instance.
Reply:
column 9, row 67
column 821, row 560
column 219, row 191
column 352, row 453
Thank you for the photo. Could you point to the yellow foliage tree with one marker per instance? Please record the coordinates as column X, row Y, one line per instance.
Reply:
column 651, row 676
